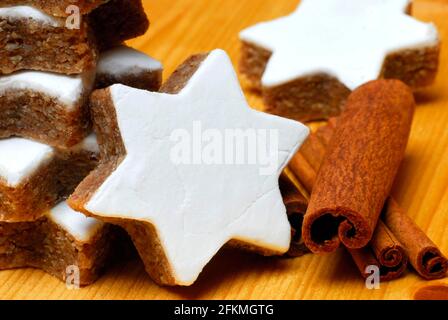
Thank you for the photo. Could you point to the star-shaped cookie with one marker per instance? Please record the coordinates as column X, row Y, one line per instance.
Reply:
column 173, row 178
column 347, row 39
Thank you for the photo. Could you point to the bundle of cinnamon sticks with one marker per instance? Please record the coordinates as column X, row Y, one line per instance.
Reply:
column 348, row 167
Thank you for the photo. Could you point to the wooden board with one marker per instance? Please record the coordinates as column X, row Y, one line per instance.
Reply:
column 182, row 27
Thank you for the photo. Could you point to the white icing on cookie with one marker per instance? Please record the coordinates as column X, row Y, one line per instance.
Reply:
column 27, row 12
column 90, row 144
column 196, row 209
column 345, row 39
column 124, row 60
column 79, row 226
column 66, row 89
column 20, row 158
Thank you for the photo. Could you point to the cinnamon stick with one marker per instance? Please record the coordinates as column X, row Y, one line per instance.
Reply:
column 296, row 205
column 313, row 151
column 384, row 250
column 325, row 133
column 322, row 137
column 423, row 254
column 362, row 160
column 306, row 163
column 390, row 247
column 300, row 166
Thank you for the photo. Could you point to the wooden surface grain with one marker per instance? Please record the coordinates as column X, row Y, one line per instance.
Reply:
column 182, row 27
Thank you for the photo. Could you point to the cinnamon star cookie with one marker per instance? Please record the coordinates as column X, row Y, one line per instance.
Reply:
column 190, row 169
column 307, row 63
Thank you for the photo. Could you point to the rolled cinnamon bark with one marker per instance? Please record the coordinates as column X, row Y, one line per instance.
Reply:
column 313, row 151
column 423, row 254
column 362, row 161
column 384, row 251
column 306, row 163
column 325, row 133
column 296, row 205
column 300, row 166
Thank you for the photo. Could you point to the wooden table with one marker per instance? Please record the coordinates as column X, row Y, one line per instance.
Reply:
column 182, row 27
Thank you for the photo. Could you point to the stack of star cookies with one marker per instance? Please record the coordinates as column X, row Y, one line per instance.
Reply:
column 53, row 54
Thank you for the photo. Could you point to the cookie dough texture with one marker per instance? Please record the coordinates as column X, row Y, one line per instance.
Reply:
column 56, row 242
column 57, row 8
column 46, row 107
column 34, row 177
column 33, row 40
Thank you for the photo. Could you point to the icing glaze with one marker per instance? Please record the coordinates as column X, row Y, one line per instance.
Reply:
column 79, row 226
column 90, row 143
column 28, row 12
column 196, row 209
column 345, row 39
column 67, row 89
column 124, row 60
column 19, row 158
